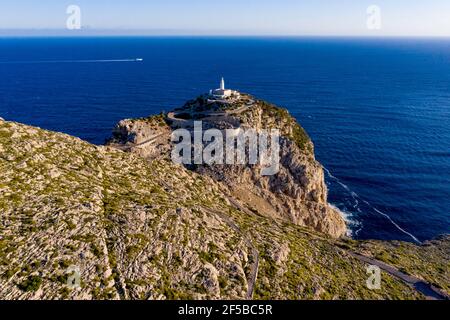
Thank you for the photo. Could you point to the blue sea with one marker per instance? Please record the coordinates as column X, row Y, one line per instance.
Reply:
column 378, row 110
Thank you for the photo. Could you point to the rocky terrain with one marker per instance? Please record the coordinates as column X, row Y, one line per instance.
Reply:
column 137, row 226
column 297, row 193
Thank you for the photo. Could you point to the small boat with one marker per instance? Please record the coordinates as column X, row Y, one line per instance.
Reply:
column 139, row 59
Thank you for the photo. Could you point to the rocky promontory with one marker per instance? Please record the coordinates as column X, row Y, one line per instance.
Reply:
column 80, row 221
column 296, row 193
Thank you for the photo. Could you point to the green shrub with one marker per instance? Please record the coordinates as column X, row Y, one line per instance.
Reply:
column 96, row 251
column 31, row 284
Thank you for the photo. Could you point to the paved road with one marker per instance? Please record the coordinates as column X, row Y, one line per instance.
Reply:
column 428, row 290
column 254, row 270
column 173, row 115
column 255, row 265
column 141, row 144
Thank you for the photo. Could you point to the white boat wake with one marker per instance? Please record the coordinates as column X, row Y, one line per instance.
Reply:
column 73, row 61
column 357, row 197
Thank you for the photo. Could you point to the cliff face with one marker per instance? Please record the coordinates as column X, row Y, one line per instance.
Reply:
column 296, row 193
column 138, row 229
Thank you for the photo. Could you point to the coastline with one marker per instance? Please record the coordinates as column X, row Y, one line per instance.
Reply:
column 70, row 164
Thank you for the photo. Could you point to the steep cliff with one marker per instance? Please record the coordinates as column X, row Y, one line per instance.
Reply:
column 296, row 193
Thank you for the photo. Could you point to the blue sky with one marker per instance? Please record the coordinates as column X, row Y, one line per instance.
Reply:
column 233, row 17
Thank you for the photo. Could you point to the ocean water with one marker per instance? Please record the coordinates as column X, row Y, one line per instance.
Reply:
column 378, row 110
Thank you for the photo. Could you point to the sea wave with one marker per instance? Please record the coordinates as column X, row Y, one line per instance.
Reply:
column 353, row 225
column 351, row 218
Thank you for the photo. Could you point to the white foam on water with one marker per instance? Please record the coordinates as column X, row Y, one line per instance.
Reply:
column 70, row 61
column 350, row 222
column 355, row 197
column 393, row 222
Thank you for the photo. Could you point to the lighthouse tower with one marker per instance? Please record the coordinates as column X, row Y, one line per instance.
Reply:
column 222, row 93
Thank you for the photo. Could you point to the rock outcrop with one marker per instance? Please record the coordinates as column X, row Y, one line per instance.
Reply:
column 296, row 193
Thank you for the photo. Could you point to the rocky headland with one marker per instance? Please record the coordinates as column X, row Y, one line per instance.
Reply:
column 297, row 193
column 137, row 226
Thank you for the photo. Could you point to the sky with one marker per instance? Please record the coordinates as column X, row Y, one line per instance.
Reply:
column 230, row 17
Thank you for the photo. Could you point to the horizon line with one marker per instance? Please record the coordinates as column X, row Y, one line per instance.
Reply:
column 3, row 36
column 91, row 32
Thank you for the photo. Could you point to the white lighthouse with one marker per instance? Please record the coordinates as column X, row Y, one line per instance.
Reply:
column 222, row 93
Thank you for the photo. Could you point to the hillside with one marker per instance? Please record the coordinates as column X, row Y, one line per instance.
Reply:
column 296, row 193
column 141, row 228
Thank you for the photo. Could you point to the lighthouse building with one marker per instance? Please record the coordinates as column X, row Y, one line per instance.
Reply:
column 222, row 93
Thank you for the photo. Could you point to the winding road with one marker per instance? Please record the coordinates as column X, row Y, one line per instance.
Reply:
column 428, row 290
column 255, row 264
column 127, row 147
column 208, row 115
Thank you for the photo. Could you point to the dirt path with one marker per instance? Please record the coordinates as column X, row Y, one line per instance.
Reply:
column 428, row 290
